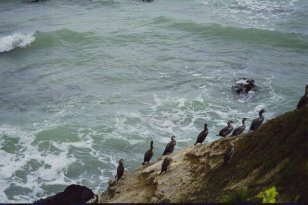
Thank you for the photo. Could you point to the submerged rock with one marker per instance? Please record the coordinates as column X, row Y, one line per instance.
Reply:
column 243, row 86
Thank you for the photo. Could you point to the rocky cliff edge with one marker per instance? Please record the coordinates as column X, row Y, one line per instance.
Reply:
column 274, row 155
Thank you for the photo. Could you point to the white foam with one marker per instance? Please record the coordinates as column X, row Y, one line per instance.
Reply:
column 10, row 163
column 10, row 42
column 242, row 81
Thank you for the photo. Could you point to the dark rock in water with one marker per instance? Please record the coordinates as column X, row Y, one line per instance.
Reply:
column 148, row 0
column 34, row 1
column 72, row 194
column 243, row 86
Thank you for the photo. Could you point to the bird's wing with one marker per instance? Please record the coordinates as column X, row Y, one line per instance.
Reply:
column 223, row 130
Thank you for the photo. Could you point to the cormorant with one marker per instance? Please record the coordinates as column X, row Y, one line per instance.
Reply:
column 229, row 152
column 120, row 170
column 202, row 135
column 170, row 146
column 303, row 102
column 148, row 155
column 226, row 130
column 256, row 123
column 166, row 163
column 240, row 129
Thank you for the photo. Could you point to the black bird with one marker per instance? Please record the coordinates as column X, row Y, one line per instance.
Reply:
column 256, row 123
column 202, row 135
column 303, row 102
column 226, row 130
column 240, row 129
column 166, row 163
column 170, row 146
column 229, row 152
column 148, row 155
column 120, row 170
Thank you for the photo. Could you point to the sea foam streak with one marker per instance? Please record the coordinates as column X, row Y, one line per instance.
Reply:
column 15, row 40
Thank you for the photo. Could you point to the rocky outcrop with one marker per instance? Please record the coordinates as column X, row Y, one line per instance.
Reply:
column 73, row 194
column 243, row 86
column 274, row 155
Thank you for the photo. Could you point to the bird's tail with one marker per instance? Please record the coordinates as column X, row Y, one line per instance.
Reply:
column 143, row 163
column 195, row 143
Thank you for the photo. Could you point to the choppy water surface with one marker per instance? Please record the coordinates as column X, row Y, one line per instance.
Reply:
column 85, row 83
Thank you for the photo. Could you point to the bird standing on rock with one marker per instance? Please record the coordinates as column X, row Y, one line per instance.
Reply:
column 229, row 152
column 256, row 123
column 202, row 135
column 120, row 170
column 226, row 130
column 148, row 155
column 240, row 129
column 166, row 163
column 170, row 146
column 303, row 102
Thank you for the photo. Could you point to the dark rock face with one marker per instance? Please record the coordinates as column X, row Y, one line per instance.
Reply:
column 73, row 194
column 243, row 86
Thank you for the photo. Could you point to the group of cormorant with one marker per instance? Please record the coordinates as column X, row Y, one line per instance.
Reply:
column 255, row 124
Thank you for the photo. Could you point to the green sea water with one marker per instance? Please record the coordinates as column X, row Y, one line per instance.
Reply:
column 85, row 83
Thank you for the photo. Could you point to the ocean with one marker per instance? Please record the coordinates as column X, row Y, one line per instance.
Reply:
column 86, row 83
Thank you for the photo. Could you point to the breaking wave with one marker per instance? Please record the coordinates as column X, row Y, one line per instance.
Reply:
column 16, row 40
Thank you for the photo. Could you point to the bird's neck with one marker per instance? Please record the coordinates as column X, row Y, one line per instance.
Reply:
column 151, row 146
column 243, row 122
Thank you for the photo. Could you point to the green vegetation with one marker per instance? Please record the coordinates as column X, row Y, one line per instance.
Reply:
column 269, row 195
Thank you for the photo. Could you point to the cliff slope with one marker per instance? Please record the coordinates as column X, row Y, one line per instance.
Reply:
column 274, row 155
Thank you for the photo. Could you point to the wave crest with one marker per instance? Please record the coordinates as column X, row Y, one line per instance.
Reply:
column 15, row 40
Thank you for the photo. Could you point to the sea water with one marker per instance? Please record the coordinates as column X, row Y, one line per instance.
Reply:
column 86, row 83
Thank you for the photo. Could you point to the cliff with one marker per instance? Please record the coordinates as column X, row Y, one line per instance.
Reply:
column 275, row 155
